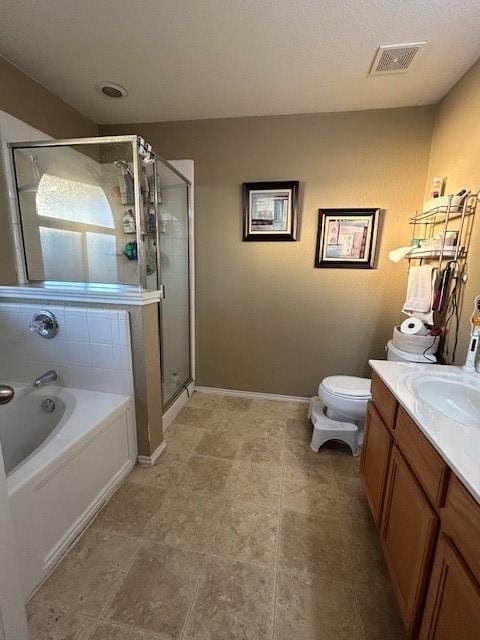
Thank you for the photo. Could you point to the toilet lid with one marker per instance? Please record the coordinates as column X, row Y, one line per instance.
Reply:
column 349, row 386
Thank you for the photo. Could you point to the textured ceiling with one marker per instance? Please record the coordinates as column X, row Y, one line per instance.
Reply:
column 187, row 59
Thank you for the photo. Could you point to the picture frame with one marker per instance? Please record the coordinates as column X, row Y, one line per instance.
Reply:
column 346, row 238
column 270, row 211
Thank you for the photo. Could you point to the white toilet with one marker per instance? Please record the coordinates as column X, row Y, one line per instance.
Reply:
column 339, row 410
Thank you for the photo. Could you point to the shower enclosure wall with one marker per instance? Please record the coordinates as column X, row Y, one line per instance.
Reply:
column 107, row 219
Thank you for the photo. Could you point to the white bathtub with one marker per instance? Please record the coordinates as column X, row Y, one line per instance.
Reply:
column 61, row 467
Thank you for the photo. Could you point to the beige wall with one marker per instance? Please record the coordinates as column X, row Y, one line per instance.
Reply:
column 455, row 154
column 25, row 99
column 266, row 319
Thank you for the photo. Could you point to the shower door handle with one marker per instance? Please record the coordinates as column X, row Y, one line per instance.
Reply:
column 163, row 292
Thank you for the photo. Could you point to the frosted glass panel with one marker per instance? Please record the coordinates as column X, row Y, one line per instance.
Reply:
column 72, row 200
column 61, row 254
column 77, row 206
column 102, row 260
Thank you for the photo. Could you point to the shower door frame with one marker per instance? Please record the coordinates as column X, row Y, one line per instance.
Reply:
column 191, row 280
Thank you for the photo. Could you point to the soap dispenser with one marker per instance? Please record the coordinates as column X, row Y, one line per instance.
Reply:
column 469, row 366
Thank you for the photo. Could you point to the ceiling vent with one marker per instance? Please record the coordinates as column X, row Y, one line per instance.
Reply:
column 396, row 58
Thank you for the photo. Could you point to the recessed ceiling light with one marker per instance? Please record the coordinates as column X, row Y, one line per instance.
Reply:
column 111, row 89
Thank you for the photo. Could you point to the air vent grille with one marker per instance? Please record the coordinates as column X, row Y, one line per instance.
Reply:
column 396, row 58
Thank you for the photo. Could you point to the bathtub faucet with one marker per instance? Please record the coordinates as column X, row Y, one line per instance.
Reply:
column 45, row 378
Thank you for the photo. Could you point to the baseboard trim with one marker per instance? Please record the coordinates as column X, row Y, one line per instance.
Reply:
column 252, row 394
column 149, row 461
column 173, row 411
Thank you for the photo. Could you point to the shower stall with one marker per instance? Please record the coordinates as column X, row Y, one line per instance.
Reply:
column 107, row 219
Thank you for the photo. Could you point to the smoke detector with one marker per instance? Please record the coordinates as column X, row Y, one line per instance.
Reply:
column 111, row 89
column 396, row 58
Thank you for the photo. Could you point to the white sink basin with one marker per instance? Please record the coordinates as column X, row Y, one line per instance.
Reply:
column 457, row 396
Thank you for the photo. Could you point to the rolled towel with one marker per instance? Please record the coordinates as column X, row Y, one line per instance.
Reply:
column 397, row 254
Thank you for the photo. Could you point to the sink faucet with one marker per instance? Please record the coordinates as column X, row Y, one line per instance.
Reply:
column 45, row 378
column 469, row 366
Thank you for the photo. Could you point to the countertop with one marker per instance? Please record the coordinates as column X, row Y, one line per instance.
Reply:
column 459, row 445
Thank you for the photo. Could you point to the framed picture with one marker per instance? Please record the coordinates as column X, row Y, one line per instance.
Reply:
column 346, row 238
column 270, row 210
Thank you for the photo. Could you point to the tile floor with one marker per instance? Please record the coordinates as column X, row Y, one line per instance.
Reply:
column 239, row 532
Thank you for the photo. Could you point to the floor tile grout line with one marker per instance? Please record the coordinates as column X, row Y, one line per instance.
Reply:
column 270, row 567
column 95, row 619
column 119, row 581
column 277, row 555
column 123, row 574
column 153, row 634
column 63, row 609
column 202, row 572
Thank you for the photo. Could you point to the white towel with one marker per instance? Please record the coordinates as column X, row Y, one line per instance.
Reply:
column 397, row 254
column 420, row 290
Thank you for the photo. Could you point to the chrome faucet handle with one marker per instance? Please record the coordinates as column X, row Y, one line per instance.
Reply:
column 44, row 324
column 6, row 394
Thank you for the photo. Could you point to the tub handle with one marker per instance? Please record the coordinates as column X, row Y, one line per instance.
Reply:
column 6, row 394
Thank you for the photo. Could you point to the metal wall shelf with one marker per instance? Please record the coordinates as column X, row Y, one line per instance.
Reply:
column 439, row 221
column 448, row 252
column 438, row 215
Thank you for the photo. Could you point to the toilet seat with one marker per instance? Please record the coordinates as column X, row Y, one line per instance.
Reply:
column 347, row 387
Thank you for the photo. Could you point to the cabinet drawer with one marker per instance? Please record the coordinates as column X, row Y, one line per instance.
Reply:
column 429, row 467
column 461, row 521
column 384, row 401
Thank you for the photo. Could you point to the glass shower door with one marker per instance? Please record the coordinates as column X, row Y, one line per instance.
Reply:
column 173, row 220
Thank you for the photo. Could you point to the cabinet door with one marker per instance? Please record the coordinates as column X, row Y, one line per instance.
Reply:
column 409, row 528
column 452, row 609
column 377, row 445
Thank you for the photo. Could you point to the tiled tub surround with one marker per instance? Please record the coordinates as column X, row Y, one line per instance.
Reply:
column 57, row 489
column 239, row 531
column 90, row 351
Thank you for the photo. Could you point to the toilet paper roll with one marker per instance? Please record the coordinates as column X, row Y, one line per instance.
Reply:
column 413, row 327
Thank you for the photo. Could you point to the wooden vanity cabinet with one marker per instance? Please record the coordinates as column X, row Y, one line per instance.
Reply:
column 452, row 608
column 377, row 445
column 429, row 524
column 408, row 535
column 384, row 400
column 461, row 523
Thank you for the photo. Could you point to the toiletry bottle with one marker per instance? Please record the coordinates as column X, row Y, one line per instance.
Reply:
column 437, row 187
column 129, row 222
column 130, row 193
column 122, row 185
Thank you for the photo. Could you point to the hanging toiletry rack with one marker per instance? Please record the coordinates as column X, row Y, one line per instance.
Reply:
column 442, row 233
column 443, row 221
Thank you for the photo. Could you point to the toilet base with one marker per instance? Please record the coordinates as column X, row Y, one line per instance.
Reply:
column 325, row 429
